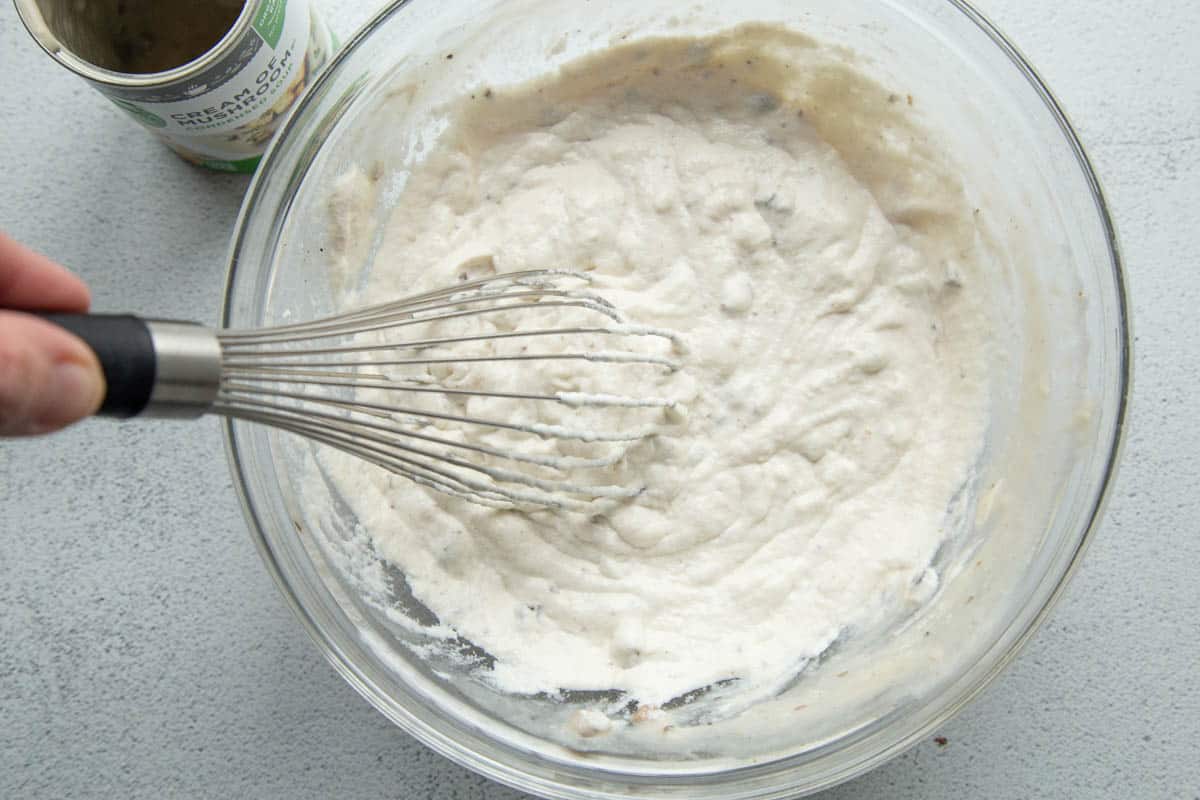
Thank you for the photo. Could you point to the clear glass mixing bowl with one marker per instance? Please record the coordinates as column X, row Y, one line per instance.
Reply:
column 1061, row 391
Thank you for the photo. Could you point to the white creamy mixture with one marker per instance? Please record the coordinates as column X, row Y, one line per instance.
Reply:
column 785, row 216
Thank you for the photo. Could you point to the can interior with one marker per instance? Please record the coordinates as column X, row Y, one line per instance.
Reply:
column 140, row 36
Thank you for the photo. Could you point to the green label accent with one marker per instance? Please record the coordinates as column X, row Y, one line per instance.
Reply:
column 140, row 114
column 245, row 166
column 269, row 21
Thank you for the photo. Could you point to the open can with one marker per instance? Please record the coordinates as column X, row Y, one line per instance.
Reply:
column 212, row 78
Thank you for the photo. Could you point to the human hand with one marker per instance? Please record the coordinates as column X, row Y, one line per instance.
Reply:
column 48, row 378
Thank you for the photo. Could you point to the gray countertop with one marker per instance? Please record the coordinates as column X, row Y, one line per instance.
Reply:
column 145, row 652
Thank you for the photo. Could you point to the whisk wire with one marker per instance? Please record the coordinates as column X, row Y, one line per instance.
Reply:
column 328, row 380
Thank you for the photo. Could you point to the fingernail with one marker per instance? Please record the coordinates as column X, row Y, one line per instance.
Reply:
column 73, row 391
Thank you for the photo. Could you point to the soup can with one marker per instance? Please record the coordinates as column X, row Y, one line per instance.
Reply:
column 212, row 78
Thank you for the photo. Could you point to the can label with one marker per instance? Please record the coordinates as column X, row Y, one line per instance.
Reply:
column 224, row 116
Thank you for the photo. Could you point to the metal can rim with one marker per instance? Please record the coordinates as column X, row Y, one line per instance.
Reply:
column 31, row 17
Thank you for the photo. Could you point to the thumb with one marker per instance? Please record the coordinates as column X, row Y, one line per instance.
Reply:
column 48, row 377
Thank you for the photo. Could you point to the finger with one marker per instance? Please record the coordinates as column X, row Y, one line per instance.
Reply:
column 48, row 378
column 30, row 280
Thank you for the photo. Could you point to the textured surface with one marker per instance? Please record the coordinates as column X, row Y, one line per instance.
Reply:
column 144, row 651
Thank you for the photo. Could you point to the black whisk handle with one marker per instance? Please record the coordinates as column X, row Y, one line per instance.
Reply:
column 152, row 367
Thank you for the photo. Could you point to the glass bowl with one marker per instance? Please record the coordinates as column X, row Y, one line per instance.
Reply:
column 1060, row 397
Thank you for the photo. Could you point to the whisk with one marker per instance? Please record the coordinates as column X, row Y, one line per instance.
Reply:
column 349, row 380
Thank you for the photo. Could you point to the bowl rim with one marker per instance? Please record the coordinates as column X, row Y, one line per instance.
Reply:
column 513, row 775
